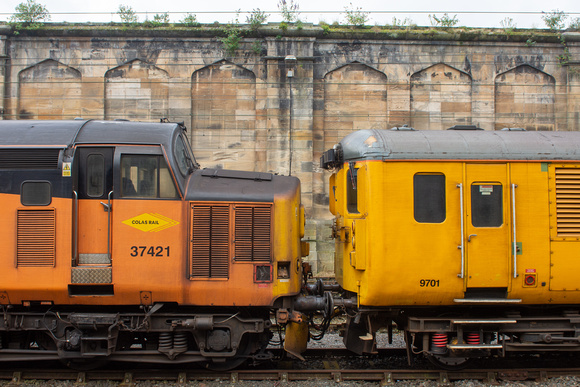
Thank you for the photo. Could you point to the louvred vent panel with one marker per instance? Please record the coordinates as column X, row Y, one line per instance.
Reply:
column 36, row 238
column 210, row 241
column 253, row 233
column 29, row 158
column 568, row 202
column 225, row 232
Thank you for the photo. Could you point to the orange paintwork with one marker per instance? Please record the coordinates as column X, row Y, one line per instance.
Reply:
column 165, row 277
column 92, row 221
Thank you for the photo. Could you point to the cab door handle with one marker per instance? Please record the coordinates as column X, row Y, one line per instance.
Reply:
column 106, row 207
column 469, row 237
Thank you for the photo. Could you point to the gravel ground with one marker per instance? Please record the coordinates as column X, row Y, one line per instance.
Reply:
column 334, row 340
column 566, row 381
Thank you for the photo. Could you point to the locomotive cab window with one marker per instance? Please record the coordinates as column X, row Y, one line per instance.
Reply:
column 36, row 193
column 146, row 176
column 351, row 189
column 486, row 204
column 429, row 198
column 184, row 156
column 95, row 175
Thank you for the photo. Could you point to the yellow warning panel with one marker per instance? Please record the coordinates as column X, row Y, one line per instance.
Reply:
column 66, row 169
column 150, row 222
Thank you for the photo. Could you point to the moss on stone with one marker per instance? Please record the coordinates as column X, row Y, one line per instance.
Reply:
column 323, row 31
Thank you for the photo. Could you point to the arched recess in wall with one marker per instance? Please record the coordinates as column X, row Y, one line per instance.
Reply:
column 136, row 91
column 525, row 98
column 440, row 98
column 573, row 117
column 49, row 90
column 223, row 105
column 355, row 97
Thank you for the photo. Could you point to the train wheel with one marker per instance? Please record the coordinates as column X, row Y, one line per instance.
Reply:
column 232, row 362
column 251, row 345
column 449, row 363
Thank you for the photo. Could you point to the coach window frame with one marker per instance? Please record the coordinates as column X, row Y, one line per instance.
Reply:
column 487, row 213
column 434, row 210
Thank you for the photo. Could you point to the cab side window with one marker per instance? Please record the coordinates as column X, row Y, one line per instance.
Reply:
column 146, row 176
column 429, row 198
column 352, row 189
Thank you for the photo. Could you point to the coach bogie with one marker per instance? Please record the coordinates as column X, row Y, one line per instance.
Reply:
column 448, row 340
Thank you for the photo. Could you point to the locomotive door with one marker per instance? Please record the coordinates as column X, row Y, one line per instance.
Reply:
column 487, row 226
column 94, row 190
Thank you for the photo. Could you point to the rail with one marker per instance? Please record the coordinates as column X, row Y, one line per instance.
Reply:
column 384, row 376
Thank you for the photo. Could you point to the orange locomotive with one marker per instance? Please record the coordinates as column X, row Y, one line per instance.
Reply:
column 117, row 246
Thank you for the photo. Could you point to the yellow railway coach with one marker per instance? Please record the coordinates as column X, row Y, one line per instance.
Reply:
column 468, row 240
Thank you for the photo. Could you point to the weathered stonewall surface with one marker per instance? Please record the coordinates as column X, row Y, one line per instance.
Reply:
column 262, row 110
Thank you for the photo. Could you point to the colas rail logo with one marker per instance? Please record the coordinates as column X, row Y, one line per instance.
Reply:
column 150, row 222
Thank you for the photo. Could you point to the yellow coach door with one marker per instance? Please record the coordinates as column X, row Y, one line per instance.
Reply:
column 487, row 226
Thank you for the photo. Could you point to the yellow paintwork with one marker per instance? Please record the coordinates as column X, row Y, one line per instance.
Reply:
column 150, row 222
column 486, row 248
column 393, row 252
column 296, row 338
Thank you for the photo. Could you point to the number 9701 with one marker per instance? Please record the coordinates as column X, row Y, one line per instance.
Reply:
column 429, row 283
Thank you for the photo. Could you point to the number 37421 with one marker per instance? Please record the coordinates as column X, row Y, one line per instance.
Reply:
column 150, row 251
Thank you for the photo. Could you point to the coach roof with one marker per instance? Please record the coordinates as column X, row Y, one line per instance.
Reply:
column 61, row 134
column 460, row 145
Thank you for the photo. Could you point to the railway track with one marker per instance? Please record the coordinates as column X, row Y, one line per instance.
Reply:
column 383, row 377
column 324, row 366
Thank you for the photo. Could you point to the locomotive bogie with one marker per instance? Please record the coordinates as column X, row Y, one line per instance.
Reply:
column 219, row 339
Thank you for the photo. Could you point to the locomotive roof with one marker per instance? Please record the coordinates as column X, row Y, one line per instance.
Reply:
column 60, row 134
column 460, row 145
column 229, row 185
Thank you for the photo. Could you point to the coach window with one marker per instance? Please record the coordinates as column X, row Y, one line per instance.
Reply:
column 429, row 198
column 487, row 205
column 146, row 176
column 351, row 189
